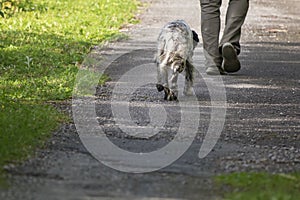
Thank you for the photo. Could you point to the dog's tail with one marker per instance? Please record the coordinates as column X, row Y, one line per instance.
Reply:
column 189, row 70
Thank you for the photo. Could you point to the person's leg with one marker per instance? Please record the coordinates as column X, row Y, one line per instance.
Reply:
column 235, row 17
column 230, row 42
column 210, row 29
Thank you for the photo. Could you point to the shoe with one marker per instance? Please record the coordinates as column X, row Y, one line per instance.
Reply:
column 214, row 70
column 230, row 62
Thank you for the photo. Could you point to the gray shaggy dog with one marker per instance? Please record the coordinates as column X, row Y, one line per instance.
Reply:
column 175, row 47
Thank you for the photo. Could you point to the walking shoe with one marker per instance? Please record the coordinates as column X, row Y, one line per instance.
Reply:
column 214, row 70
column 230, row 62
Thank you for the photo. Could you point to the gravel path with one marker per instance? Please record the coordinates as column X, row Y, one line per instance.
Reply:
column 261, row 130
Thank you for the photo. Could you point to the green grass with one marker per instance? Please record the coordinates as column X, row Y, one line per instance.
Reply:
column 41, row 49
column 24, row 126
column 260, row 186
column 42, row 44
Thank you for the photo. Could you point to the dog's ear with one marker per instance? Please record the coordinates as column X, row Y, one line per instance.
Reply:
column 195, row 36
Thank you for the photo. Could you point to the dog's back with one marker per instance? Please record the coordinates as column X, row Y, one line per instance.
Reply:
column 175, row 40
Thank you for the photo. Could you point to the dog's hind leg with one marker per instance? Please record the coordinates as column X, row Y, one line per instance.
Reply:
column 162, row 83
column 173, row 81
column 162, row 77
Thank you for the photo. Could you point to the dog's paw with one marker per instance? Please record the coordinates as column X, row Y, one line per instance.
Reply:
column 159, row 87
column 170, row 95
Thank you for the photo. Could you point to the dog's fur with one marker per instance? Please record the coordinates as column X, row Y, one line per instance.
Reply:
column 175, row 47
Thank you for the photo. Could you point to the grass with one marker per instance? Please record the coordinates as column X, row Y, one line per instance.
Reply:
column 260, row 186
column 41, row 49
column 42, row 44
column 24, row 126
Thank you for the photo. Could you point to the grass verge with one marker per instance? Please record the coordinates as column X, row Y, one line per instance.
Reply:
column 42, row 43
column 260, row 186
column 41, row 48
column 25, row 126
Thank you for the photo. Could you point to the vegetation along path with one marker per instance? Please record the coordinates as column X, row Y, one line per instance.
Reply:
column 257, row 154
column 42, row 43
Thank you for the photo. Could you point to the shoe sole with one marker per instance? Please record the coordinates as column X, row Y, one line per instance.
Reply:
column 214, row 72
column 231, row 62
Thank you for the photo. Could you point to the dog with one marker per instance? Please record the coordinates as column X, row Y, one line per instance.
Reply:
column 175, row 47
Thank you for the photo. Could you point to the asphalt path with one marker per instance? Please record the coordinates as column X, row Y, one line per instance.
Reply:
column 247, row 121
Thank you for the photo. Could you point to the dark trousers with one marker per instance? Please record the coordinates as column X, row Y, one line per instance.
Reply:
column 210, row 27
